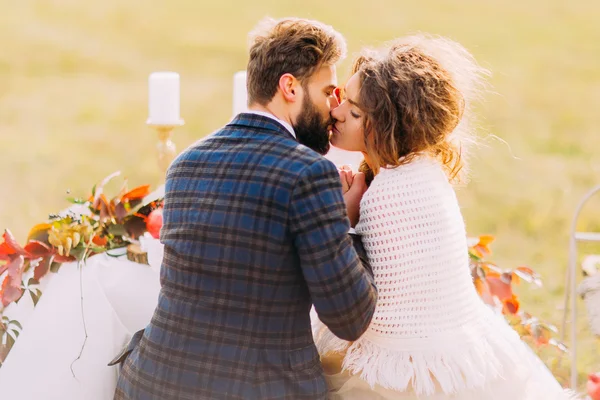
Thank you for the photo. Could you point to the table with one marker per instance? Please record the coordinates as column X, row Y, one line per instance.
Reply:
column 119, row 298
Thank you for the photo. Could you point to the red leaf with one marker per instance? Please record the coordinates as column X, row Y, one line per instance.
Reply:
column 593, row 386
column 499, row 288
column 6, row 250
column 42, row 268
column 8, row 291
column 63, row 259
column 9, row 245
column 3, row 268
column 15, row 269
column 38, row 249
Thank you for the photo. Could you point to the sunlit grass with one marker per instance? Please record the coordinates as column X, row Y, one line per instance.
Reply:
column 73, row 103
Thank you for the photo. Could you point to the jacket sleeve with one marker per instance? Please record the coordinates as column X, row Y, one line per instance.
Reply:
column 342, row 290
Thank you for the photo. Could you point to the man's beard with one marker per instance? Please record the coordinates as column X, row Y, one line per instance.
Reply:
column 310, row 129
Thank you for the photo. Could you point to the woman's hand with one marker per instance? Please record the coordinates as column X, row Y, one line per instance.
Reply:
column 346, row 176
column 353, row 196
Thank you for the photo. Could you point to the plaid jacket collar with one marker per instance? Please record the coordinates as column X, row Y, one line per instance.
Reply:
column 255, row 121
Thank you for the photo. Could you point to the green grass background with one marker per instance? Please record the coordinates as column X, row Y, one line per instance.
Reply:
column 73, row 105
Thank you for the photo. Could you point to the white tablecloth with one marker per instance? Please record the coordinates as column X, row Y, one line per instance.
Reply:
column 119, row 298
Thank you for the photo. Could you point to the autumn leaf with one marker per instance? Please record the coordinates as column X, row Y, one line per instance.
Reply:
column 120, row 212
column 99, row 240
column 9, row 292
column 528, row 275
column 15, row 269
column 499, row 288
column 42, row 268
column 102, row 204
column 63, row 259
column 482, row 248
column 136, row 194
column 511, row 305
column 485, row 240
column 506, row 277
column 39, row 232
column 38, row 249
column 540, row 334
column 484, row 292
column 9, row 245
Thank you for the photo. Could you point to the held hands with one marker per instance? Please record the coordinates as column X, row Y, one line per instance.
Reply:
column 353, row 188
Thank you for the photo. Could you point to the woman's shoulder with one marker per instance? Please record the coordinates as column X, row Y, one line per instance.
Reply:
column 420, row 169
column 422, row 178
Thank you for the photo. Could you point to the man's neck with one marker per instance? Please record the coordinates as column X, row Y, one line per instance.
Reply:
column 273, row 110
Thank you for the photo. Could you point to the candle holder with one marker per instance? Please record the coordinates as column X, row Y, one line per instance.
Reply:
column 165, row 148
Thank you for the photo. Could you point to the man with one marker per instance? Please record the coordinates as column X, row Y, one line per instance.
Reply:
column 255, row 230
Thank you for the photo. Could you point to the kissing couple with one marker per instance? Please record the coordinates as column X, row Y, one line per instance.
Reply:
column 259, row 228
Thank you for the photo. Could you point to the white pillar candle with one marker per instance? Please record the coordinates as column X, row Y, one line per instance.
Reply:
column 240, row 93
column 163, row 99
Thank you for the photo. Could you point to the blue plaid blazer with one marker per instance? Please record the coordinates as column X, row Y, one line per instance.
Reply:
column 255, row 230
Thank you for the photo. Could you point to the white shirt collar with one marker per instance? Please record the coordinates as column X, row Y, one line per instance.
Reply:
column 269, row 115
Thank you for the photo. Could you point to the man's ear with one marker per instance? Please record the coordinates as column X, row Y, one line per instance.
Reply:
column 289, row 87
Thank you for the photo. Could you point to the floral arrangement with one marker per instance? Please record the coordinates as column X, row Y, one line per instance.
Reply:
column 97, row 225
column 495, row 287
column 91, row 226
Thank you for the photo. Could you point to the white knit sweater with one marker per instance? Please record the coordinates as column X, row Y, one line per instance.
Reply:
column 429, row 321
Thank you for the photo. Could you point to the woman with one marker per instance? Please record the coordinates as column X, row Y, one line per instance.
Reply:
column 432, row 337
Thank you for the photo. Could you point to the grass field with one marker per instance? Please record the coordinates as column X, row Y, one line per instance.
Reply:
column 73, row 105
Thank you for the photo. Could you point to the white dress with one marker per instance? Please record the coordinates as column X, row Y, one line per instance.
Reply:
column 431, row 336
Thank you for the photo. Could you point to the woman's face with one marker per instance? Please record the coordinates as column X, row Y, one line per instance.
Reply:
column 348, row 131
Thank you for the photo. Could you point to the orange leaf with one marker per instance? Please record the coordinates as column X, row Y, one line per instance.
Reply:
column 511, row 306
column 483, row 246
column 526, row 270
column 528, row 275
column 476, row 252
column 103, row 205
column 515, row 278
column 136, row 194
column 484, row 240
column 492, row 274
column 39, row 232
column 484, row 292
column 99, row 241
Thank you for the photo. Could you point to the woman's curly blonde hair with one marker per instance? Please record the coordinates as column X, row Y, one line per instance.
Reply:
column 417, row 97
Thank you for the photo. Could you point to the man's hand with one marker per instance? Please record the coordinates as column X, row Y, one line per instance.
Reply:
column 353, row 195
